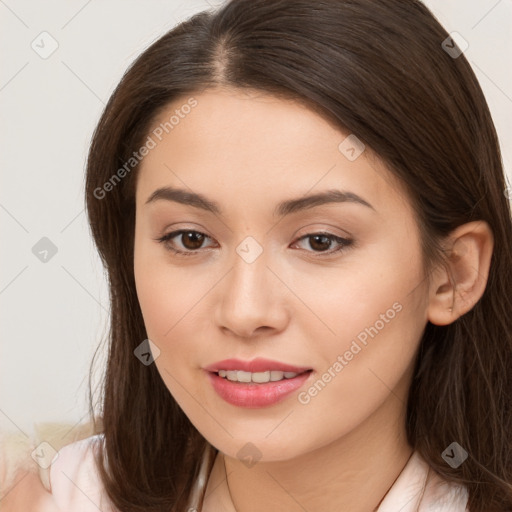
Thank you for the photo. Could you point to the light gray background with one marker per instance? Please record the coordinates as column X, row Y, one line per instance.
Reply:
column 53, row 314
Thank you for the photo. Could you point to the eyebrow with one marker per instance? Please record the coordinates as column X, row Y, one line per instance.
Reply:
column 284, row 208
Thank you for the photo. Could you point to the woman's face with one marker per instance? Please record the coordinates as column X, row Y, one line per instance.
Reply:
column 332, row 287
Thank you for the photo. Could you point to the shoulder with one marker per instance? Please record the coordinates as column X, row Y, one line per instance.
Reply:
column 419, row 488
column 441, row 495
column 75, row 483
column 68, row 482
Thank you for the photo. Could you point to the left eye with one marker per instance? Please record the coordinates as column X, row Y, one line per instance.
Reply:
column 320, row 240
column 192, row 240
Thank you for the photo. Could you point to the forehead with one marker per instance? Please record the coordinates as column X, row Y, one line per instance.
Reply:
column 253, row 145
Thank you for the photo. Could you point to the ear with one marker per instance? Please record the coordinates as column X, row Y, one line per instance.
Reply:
column 457, row 287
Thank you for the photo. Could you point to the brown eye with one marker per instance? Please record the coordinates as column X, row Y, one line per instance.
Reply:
column 192, row 240
column 322, row 243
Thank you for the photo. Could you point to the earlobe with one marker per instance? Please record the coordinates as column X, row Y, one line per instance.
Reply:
column 457, row 285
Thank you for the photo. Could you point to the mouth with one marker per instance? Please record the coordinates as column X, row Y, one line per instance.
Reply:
column 256, row 383
column 257, row 377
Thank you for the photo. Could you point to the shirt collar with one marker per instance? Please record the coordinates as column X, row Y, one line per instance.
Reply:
column 419, row 489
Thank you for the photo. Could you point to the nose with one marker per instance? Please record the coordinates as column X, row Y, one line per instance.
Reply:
column 252, row 299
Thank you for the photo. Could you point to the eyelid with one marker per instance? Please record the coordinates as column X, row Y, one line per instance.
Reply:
column 327, row 229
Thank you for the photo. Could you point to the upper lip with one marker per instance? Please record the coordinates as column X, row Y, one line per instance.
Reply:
column 259, row 364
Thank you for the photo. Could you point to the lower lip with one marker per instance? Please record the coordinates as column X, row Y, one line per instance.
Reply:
column 256, row 395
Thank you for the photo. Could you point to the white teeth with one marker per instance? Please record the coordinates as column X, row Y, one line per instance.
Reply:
column 232, row 375
column 257, row 377
column 243, row 376
column 261, row 377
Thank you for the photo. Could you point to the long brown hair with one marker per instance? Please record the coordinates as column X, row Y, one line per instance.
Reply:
column 379, row 70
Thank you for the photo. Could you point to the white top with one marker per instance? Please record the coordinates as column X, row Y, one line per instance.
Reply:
column 76, row 486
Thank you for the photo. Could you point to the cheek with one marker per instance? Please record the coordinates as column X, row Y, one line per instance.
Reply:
column 175, row 307
column 167, row 300
column 378, row 318
column 362, row 371
column 369, row 295
column 165, row 293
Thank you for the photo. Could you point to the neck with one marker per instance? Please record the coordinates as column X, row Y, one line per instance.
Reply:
column 353, row 473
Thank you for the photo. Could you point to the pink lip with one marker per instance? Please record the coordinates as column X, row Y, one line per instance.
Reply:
column 252, row 395
column 259, row 364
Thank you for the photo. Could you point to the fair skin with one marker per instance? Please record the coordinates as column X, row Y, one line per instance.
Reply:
column 247, row 151
column 28, row 493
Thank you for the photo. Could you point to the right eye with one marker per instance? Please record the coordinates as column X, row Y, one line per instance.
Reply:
column 191, row 241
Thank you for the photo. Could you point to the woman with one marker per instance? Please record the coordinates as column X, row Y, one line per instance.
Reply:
column 301, row 209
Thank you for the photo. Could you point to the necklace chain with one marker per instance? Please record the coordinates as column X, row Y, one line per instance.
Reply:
column 227, row 483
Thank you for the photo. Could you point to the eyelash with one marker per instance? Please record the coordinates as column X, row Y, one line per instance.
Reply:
column 345, row 243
